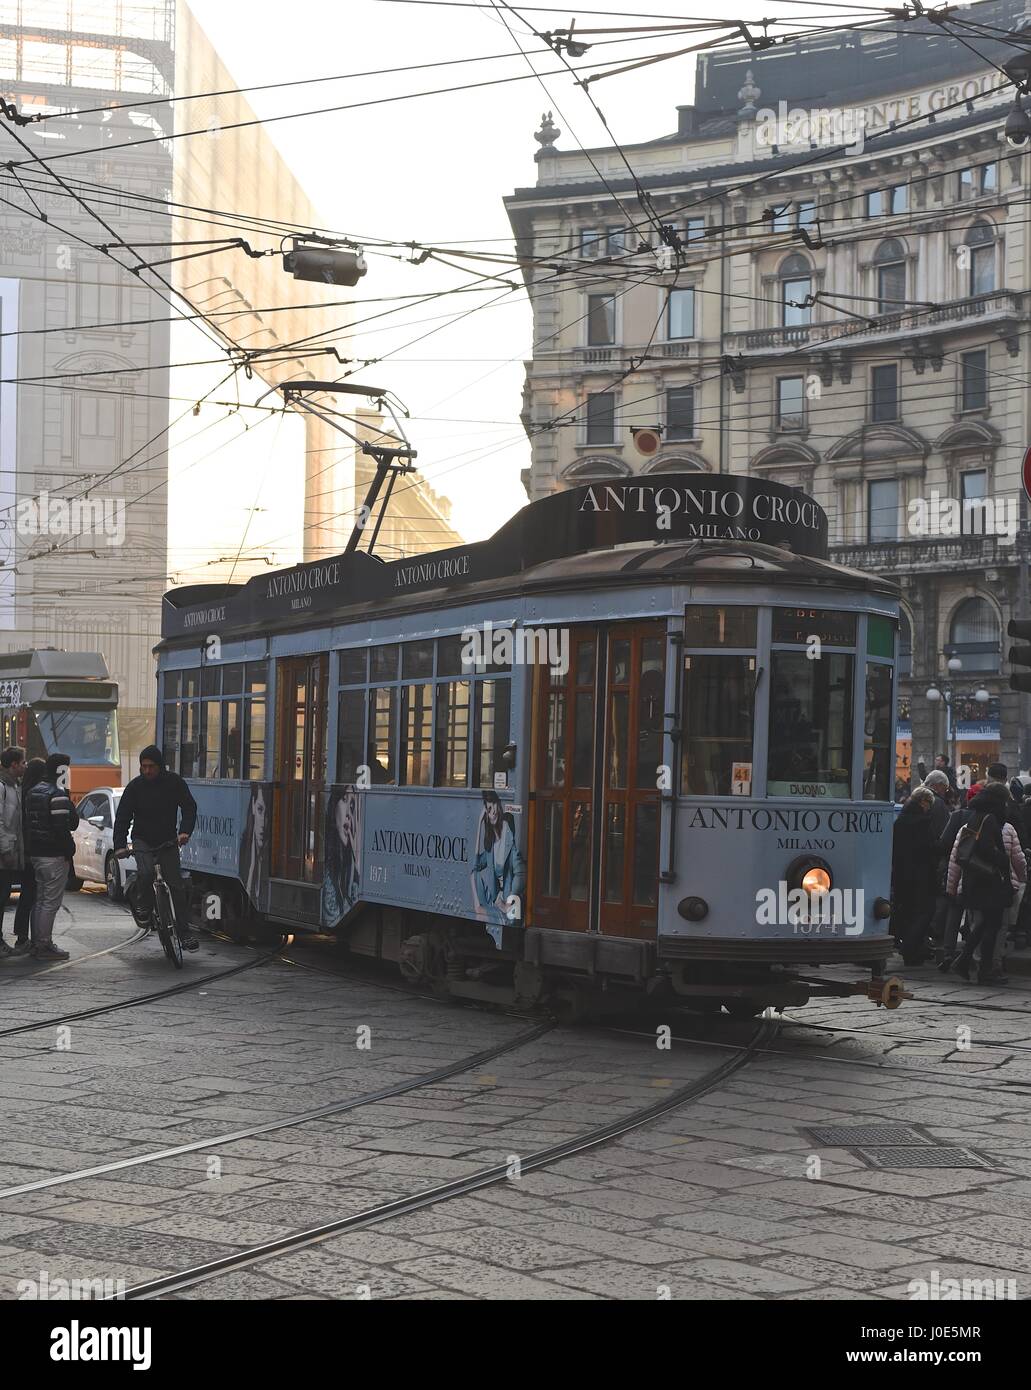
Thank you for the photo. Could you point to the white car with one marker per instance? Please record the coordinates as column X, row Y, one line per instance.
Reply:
column 94, row 860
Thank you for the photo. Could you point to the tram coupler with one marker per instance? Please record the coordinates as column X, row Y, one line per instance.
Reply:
column 889, row 993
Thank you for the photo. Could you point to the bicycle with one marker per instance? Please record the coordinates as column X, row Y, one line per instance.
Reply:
column 163, row 919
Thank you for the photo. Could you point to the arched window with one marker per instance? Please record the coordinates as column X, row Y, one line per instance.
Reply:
column 974, row 635
column 890, row 264
column 796, row 284
column 980, row 240
column 905, row 660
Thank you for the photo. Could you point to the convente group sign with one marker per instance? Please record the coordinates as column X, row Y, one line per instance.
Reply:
column 669, row 507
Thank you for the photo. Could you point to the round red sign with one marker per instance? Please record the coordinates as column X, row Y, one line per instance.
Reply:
column 1025, row 473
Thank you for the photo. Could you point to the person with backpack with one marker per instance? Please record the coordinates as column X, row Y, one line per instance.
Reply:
column 50, row 819
column 988, row 862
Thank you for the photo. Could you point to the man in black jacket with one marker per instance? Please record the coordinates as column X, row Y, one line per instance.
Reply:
column 50, row 819
column 151, row 805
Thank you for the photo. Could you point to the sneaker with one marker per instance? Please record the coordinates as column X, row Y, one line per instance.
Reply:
column 22, row 946
column 5, row 949
column 50, row 952
column 190, row 943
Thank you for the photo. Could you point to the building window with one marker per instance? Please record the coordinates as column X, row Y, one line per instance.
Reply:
column 601, row 418
column 884, row 393
column 615, row 241
column 882, row 510
column 694, row 230
column 982, row 178
column 680, row 413
column 796, row 286
column 790, row 402
column 980, row 241
column 780, row 218
column 890, row 262
column 974, row 380
column 806, row 213
column 680, row 314
column 882, row 201
column 973, row 486
column 601, row 319
column 974, row 635
column 590, row 243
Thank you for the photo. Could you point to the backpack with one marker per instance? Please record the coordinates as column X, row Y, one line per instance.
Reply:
column 980, row 876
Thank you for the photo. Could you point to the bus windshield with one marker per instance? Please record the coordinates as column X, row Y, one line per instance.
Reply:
column 86, row 735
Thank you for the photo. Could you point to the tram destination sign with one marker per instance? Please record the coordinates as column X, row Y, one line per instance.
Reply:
column 595, row 516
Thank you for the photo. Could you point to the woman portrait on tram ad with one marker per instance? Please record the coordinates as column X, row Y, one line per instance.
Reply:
column 342, row 881
column 254, row 848
column 499, row 870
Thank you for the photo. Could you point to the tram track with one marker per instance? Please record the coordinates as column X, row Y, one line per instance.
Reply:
column 321, row 1112
column 457, row 1187
column 137, row 935
column 137, row 1000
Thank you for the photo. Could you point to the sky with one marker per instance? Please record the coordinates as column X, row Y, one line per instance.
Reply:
column 434, row 169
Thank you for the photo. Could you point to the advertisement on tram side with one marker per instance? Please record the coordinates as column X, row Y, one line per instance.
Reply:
column 232, row 835
column 455, row 855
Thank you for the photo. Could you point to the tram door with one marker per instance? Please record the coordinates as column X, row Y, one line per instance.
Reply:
column 300, row 767
column 597, row 746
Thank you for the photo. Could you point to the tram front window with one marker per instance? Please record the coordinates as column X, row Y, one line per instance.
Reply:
column 810, row 725
column 719, row 695
column 87, row 736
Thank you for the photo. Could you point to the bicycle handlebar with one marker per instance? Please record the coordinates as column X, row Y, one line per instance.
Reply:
column 152, row 849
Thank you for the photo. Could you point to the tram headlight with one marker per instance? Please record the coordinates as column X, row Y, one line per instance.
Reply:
column 810, row 874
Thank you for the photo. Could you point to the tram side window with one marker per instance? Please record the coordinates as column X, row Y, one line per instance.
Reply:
column 810, row 725
column 491, row 730
column 382, row 747
column 719, row 698
column 214, row 720
column 417, row 732
column 878, row 759
column 452, row 733
column 350, row 734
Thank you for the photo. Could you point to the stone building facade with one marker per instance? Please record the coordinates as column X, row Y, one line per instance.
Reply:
column 844, row 306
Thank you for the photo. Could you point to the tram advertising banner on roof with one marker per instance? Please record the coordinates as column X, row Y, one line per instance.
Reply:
column 673, row 507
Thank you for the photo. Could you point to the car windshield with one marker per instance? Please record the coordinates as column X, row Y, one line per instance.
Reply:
column 87, row 736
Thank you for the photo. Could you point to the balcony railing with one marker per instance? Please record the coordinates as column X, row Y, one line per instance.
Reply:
column 921, row 553
column 915, row 322
column 621, row 355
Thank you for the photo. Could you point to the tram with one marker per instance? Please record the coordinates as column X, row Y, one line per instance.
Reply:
column 56, row 701
column 636, row 741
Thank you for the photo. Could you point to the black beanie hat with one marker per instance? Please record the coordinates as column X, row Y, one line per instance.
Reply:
column 153, row 754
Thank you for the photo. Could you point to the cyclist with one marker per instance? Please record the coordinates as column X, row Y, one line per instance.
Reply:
column 151, row 805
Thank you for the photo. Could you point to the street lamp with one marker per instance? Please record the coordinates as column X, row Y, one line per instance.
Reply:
column 945, row 693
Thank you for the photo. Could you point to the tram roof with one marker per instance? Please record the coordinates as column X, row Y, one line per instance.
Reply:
column 637, row 530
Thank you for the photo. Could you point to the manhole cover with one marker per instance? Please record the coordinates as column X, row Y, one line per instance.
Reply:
column 842, row 1136
column 920, row 1156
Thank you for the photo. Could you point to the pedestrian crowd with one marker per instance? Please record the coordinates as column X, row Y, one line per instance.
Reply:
column 959, row 871
column 37, row 818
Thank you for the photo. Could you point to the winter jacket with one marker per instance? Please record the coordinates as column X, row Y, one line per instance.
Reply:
column 151, row 808
column 914, row 860
column 50, row 819
column 1017, row 861
column 12, row 836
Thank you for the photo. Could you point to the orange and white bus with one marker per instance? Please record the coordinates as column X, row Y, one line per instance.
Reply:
column 53, row 701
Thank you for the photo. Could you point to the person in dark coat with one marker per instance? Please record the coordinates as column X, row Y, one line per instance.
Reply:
column 988, row 891
column 159, row 807
column 955, row 906
column 914, row 869
column 942, row 764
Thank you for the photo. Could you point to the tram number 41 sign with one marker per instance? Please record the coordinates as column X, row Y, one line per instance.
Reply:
column 741, row 780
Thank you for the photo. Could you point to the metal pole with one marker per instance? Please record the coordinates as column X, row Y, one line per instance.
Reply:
column 1023, row 735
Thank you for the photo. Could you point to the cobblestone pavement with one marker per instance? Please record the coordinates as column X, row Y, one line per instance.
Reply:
column 726, row 1197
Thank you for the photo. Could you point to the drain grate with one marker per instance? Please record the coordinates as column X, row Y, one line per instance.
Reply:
column 920, row 1156
column 844, row 1136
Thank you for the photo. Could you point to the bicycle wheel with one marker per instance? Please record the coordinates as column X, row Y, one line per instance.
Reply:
column 167, row 931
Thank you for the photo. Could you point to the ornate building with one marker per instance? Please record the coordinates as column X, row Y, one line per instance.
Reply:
column 843, row 306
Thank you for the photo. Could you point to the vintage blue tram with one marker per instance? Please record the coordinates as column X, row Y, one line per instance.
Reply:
column 640, row 738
